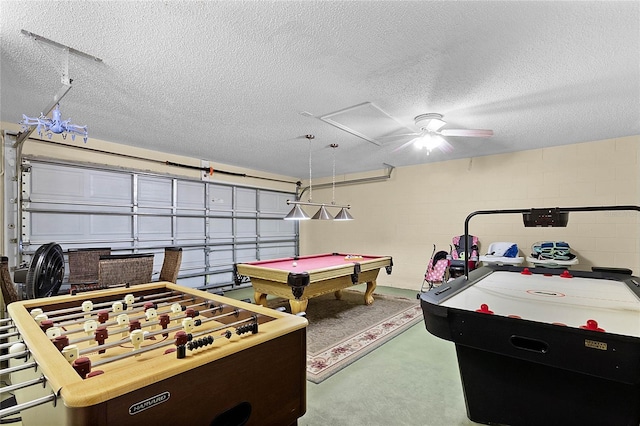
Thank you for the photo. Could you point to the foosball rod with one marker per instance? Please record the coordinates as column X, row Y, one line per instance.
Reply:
column 138, row 299
column 15, row 409
column 143, row 317
column 16, row 368
column 7, row 335
column 7, row 327
column 9, row 344
column 78, row 317
column 165, row 343
column 135, row 307
column 25, row 353
column 135, row 311
column 26, row 384
column 163, row 304
column 148, row 333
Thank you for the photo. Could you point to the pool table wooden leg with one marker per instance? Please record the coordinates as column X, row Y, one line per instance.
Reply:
column 368, row 294
column 298, row 306
column 260, row 298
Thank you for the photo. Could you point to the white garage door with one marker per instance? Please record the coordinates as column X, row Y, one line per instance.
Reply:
column 216, row 225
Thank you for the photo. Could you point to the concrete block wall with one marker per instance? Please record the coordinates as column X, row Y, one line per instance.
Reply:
column 423, row 205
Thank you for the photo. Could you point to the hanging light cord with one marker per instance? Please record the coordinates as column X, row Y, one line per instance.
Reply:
column 333, row 183
column 309, row 137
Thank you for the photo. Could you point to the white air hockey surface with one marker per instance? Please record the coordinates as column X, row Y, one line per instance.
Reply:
column 555, row 299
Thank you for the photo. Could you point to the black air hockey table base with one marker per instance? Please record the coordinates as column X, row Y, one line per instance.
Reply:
column 503, row 390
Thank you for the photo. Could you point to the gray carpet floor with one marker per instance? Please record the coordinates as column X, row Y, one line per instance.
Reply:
column 412, row 380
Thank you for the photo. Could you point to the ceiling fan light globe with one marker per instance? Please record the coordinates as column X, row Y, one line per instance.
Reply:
column 429, row 142
column 433, row 141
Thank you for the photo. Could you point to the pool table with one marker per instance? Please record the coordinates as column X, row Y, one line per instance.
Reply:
column 302, row 277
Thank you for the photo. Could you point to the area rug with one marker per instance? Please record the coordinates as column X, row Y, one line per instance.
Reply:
column 342, row 331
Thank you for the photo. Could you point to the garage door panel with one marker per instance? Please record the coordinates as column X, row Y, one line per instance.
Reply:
column 216, row 224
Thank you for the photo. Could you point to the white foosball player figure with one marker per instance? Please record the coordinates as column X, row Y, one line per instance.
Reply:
column 136, row 336
column 90, row 327
column 123, row 321
column 70, row 353
column 152, row 315
column 87, row 307
column 129, row 299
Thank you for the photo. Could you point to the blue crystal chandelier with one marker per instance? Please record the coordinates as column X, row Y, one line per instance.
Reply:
column 55, row 124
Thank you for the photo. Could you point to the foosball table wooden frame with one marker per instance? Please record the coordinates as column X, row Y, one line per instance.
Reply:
column 215, row 361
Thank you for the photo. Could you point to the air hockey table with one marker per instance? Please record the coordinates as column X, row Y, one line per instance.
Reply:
column 543, row 346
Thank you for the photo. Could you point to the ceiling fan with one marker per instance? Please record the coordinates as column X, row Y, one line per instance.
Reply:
column 431, row 135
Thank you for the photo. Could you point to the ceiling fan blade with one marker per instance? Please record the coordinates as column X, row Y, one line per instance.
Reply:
column 472, row 133
column 404, row 145
column 400, row 135
column 445, row 147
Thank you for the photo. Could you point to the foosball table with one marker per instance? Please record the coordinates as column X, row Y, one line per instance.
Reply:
column 154, row 354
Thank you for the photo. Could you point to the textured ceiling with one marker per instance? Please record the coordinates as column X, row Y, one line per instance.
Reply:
column 242, row 82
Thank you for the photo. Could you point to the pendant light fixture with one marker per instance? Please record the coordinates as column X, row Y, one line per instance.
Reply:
column 297, row 213
column 322, row 214
column 343, row 214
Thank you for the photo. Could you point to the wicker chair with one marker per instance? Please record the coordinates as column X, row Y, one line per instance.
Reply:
column 117, row 270
column 171, row 264
column 9, row 291
column 83, row 264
